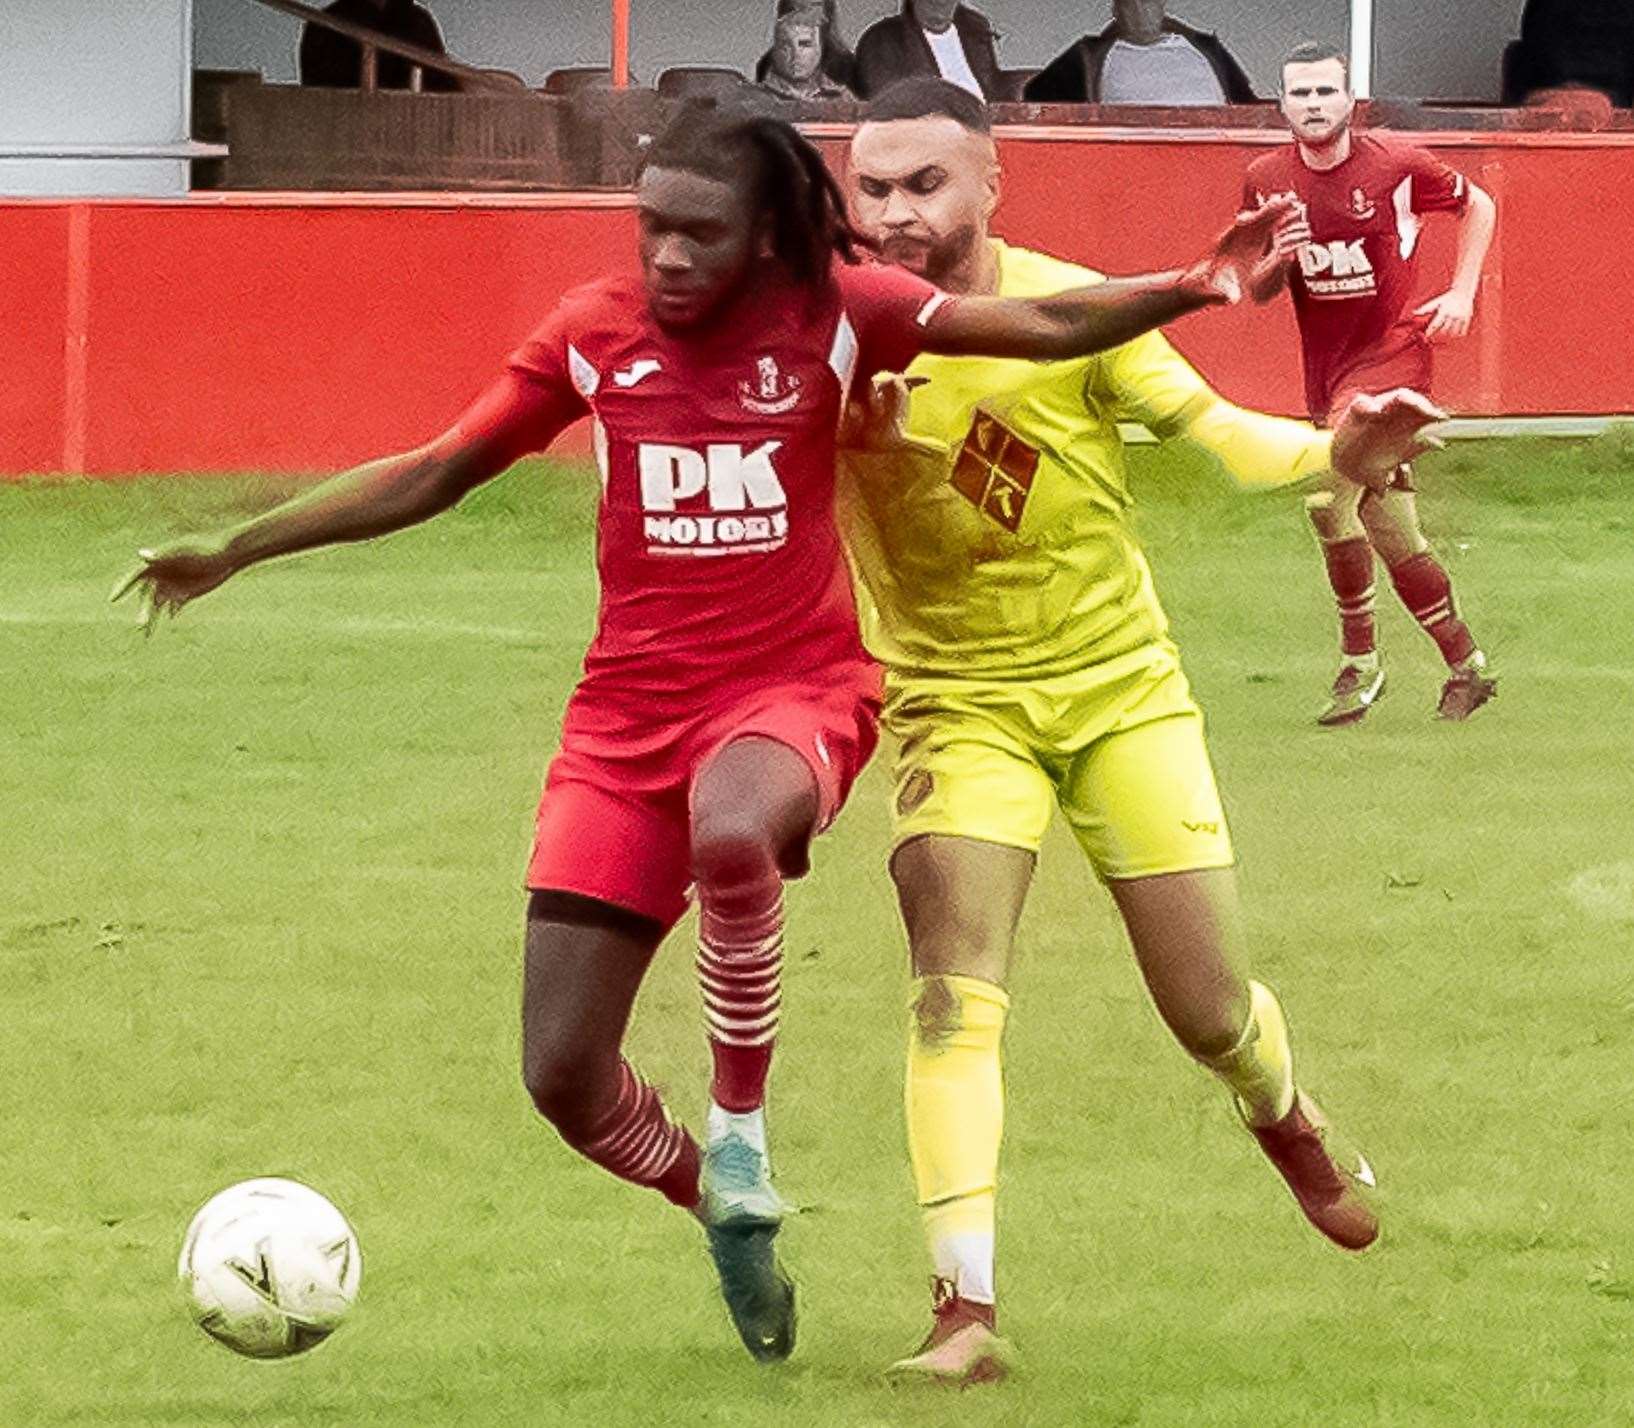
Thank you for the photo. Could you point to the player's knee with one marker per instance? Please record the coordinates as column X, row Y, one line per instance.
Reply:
column 728, row 851
column 559, row 1089
column 1207, row 1041
column 1393, row 534
column 1329, row 518
column 1207, row 1028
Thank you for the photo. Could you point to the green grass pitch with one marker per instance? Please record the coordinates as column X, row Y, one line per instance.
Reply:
column 262, row 912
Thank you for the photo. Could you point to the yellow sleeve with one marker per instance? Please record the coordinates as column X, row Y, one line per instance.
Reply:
column 1153, row 384
column 1259, row 452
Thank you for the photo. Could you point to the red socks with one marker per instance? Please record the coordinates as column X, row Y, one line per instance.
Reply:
column 1350, row 573
column 1420, row 581
column 740, row 967
column 639, row 1143
column 1426, row 591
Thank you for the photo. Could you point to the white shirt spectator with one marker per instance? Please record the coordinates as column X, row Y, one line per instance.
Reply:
column 1171, row 71
column 950, row 59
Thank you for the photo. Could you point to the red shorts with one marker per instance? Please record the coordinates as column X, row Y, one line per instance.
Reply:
column 1404, row 365
column 615, row 820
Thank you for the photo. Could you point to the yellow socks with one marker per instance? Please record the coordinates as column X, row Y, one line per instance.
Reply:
column 955, row 1109
column 1260, row 1067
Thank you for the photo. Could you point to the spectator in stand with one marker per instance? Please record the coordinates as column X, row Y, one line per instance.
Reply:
column 1576, row 44
column 1143, row 57
column 334, row 61
column 839, row 64
column 796, row 71
column 931, row 37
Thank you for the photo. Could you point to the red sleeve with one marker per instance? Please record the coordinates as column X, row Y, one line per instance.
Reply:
column 535, row 399
column 889, row 309
column 1436, row 188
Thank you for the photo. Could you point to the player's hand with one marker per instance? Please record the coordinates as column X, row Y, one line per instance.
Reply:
column 170, row 576
column 1449, row 316
column 876, row 419
column 1290, row 235
column 1221, row 275
column 1376, row 435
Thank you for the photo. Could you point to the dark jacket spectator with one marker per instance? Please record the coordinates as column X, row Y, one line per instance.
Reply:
column 334, row 61
column 796, row 70
column 935, row 38
column 1578, row 43
column 1078, row 76
column 839, row 64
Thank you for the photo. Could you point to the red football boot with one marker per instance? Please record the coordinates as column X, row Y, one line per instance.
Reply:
column 1327, row 1178
column 963, row 1347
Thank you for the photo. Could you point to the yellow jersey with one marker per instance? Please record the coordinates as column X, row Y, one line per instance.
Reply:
column 1001, row 548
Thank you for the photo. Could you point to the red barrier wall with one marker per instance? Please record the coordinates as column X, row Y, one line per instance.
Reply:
column 308, row 332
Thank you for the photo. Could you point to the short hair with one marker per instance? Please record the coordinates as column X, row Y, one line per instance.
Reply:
column 1316, row 52
column 784, row 175
column 804, row 12
column 922, row 97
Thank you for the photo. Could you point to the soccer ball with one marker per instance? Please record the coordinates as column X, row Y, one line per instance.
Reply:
column 270, row 1268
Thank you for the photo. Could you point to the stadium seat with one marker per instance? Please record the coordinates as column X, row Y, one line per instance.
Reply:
column 1012, row 82
column 697, row 81
column 1518, row 79
column 1572, row 44
column 573, row 78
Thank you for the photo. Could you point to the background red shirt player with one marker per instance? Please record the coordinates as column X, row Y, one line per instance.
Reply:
column 1349, row 259
column 726, row 703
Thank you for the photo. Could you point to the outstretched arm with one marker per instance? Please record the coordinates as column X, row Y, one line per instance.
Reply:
column 1092, row 319
column 1070, row 324
column 1152, row 382
column 1371, row 439
column 368, row 501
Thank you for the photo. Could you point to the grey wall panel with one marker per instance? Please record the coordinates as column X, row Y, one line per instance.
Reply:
column 1450, row 50
column 104, row 178
column 93, row 71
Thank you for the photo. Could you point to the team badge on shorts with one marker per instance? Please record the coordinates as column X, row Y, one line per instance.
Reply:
column 916, row 788
column 772, row 390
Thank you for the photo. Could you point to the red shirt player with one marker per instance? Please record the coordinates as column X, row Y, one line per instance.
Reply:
column 1349, row 260
column 727, row 703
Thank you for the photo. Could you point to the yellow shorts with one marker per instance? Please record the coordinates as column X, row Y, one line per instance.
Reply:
column 1119, row 747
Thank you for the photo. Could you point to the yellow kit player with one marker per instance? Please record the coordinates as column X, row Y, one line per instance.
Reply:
column 1028, row 667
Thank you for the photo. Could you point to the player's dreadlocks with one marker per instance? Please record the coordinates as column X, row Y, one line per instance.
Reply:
column 786, row 178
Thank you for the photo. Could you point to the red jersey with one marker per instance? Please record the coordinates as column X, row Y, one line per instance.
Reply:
column 719, row 557
column 1355, row 276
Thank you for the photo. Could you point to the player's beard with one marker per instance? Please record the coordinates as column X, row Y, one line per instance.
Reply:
column 1327, row 140
column 946, row 259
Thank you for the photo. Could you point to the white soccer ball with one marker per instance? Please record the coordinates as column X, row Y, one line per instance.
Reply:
column 270, row 1268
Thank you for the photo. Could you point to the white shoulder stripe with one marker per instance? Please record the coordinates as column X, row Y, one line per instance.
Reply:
column 842, row 356
column 1407, row 222
column 585, row 377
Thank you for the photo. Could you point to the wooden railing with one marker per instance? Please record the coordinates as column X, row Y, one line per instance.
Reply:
column 471, row 78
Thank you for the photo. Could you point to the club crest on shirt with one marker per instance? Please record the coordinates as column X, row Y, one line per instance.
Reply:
column 994, row 471
column 1360, row 205
column 771, row 391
